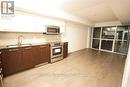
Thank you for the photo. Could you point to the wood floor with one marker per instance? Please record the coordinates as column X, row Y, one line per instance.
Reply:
column 85, row 68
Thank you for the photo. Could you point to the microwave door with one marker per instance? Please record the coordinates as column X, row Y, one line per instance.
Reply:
column 52, row 30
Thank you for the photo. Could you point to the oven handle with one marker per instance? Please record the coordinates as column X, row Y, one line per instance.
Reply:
column 57, row 47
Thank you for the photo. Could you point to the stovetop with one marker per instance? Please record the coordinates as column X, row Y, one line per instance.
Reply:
column 56, row 43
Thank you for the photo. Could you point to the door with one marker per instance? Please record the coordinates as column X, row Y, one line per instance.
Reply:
column 122, row 40
column 96, row 37
column 112, row 38
column 41, row 54
column 107, row 38
column 11, row 60
column 27, row 58
column 56, row 51
column 65, row 50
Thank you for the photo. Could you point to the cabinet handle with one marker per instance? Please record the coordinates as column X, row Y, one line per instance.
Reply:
column 28, row 48
column 13, row 49
column 1, row 78
column 0, row 70
column 42, row 46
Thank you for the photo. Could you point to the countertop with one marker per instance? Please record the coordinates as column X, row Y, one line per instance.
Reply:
column 24, row 45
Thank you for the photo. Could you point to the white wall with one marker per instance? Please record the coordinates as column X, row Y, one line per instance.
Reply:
column 126, row 76
column 76, row 35
column 128, row 83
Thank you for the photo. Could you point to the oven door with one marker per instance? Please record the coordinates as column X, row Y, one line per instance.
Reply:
column 56, row 51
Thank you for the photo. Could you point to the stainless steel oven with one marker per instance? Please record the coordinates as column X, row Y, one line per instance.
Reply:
column 56, row 51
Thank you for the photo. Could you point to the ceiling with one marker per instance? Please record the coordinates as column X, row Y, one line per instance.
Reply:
column 89, row 11
column 100, row 10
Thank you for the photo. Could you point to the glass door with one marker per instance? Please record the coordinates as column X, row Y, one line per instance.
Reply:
column 121, row 40
column 107, row 39
column 96, row 37
column 112, row 38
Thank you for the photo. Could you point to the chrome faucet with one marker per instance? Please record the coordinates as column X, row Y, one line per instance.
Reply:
column 20, row 39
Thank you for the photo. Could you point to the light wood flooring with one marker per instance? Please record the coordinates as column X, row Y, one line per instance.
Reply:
column 84, row 68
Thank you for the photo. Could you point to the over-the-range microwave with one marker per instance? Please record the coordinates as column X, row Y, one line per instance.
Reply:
column 52, row 30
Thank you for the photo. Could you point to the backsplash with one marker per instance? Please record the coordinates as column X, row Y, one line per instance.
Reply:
column 8, row 38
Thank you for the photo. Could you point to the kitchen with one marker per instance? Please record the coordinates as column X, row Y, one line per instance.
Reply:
column 43, row 43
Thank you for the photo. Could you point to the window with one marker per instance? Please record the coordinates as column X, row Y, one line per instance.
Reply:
column 107, row 45
column 108, row 32
column 95, row 43
column 96, row 32
column 121, row 46
column 122, row 33
column 111, row 38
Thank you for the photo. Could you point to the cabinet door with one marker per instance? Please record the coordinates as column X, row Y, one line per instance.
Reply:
column 41, row 54
column 11, row 60
column 44, row 53
column 27, row 58
column 1, row 68
column 36, row 52
column 65, row 50
column 0, row 59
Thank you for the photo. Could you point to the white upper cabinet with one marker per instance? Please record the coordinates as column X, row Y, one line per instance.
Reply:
column 28, row 23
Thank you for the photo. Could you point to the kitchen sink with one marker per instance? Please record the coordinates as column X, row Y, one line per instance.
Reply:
column 16, row 45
